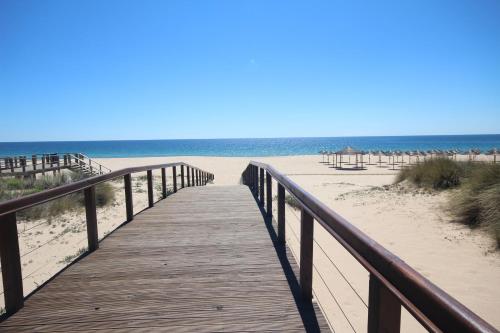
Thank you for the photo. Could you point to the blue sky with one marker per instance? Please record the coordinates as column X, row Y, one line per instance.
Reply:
column 94, row 70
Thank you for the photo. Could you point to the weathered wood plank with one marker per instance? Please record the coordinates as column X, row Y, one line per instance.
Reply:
column 201, row 260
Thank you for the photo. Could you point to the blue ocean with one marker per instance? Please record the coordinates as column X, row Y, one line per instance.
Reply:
column 249, row 147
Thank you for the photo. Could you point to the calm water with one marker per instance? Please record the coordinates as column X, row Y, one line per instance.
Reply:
column 249, row 147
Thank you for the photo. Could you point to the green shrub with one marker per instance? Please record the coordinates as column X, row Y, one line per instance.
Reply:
column 438, row 173
column 104, row 194
column 11, row 188
column 292, row 202
column 70, row 258
column 477, row 201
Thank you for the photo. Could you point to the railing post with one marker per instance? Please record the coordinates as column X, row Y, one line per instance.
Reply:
column 281, row 214
column 188, row 177
column 306, row 254
column 163, row 183
column 269, row 194
column 182, row 176
column 91, row 214
column 384, row 309
column 33, row 161
column 174, row 177
column 150, row 188
column 261, row 189
column 256, row 177
column 197, row 177
column 128, row 197
column 11, row 264
column 43, row 165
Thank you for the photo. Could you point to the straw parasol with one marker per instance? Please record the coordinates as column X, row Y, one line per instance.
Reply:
column 493, row 152
column 379, row 153
column 349, row 151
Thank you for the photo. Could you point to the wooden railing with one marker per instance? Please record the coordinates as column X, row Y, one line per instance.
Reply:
column 41, row 163
column 392, row 282
column 9, row 244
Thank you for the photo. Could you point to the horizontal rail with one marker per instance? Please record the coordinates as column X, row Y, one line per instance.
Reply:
column 390, row 276
column 31, row 200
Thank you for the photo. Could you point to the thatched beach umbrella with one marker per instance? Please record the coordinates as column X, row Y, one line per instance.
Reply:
column 409, row 153
column 323, row 153
column 349, row 151
column 390, row 154
column 493, row 152
column 379, row 153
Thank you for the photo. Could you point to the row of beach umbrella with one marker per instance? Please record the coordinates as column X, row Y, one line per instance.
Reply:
column 398, row 156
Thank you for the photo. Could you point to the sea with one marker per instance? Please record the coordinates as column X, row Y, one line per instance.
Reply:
column 251, row 147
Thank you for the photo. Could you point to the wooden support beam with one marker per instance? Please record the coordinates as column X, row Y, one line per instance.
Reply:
column 11, row 264
column 281, row 214
column 261, row 188
column 182, row 176
column 174, row 177
column 163, row 183
column 384, row 309
column 150, row 188
column 269, row 194
column 128, row 197
column 91, row 214
column 306, row 254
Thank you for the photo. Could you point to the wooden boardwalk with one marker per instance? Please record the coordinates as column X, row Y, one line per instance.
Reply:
column 203, row 260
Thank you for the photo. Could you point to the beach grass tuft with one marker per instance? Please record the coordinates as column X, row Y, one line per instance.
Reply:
column 476, row 200
column 11, row 188
column 438, row 173
column 292, row 202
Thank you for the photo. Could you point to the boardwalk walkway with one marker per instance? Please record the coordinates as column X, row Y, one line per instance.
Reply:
column 202, row 260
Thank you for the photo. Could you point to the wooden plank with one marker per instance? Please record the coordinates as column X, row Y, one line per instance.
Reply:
column 201, row 260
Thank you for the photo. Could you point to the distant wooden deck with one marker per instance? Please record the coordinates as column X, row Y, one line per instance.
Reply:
column 202, row 260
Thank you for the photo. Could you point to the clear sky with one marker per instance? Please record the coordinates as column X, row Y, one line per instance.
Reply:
column 94, row 70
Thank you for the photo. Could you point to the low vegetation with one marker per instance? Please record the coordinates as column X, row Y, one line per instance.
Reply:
column 292, row 202
column 476, row 199
column 438, row 173
column 70, row 258
column 11, row 188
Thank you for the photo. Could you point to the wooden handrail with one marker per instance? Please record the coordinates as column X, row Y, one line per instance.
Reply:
column 392, row 282
column 31, row 200
column 9, row 244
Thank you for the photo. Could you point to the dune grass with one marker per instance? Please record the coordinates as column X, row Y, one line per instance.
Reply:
column 438, row 173
column 11, row 188
column 476, row 200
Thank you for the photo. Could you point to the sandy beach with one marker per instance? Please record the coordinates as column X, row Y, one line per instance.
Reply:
column 414, row 224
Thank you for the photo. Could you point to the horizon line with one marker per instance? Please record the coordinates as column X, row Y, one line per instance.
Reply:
column 258, row 138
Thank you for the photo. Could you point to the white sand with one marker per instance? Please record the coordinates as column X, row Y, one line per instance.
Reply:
column 415, row 225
